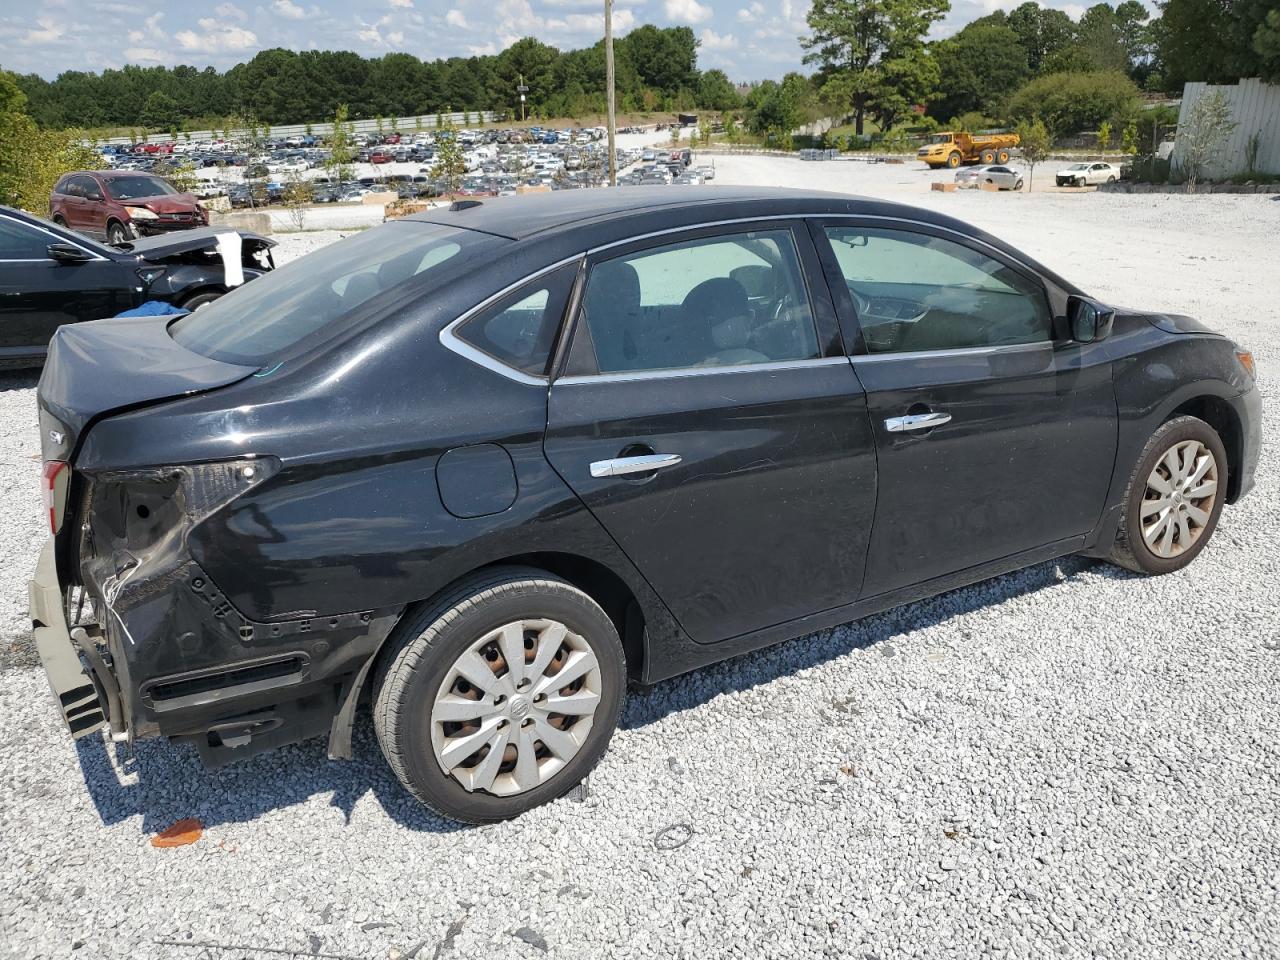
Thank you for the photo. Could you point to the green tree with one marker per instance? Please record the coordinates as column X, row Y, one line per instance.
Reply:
column 32, row 160
column 450, row 164
column 977, row 69
column 160, row 112
column 1041, row 31
column 1074, row 101
column 341, row 148
column 1034, row 144
column 871, row 54
column 715, row 92
column 1104, row 135
column 1208, row 123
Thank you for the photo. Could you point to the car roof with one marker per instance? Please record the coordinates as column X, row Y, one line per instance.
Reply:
column 528, row 215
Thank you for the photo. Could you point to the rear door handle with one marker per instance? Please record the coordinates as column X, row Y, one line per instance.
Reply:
column 621, row 466
column 916, row 421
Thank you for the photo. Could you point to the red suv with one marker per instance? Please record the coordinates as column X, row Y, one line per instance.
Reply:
column 119, row 205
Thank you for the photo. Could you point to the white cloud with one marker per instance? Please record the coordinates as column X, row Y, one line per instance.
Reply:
column 395, row 38
column 688, row 11
column 456, row 18
column 403, row 4
column 145, row 55
column 483, row 50
column 752, row 13
column 216, row 37
column 288, row 9
column 716, row 41
column 47, row 30
column 229, row 11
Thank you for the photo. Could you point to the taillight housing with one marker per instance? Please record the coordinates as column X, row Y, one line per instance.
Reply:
column 57, row 474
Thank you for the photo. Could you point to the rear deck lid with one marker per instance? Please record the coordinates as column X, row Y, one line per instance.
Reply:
column 105, row 366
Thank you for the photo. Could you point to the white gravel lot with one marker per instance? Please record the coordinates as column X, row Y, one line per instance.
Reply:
column 1067, row 761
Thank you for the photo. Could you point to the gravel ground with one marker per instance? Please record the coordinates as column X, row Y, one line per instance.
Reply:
column 1066, row 761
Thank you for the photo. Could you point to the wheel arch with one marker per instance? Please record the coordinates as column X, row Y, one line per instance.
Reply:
column 1217, row 413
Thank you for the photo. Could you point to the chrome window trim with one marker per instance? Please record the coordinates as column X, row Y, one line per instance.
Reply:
column 451, row 341
column 47, row 233
column 675, row 372
column 1048, row 345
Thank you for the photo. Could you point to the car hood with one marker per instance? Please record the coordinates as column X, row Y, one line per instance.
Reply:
column 165, row 203
column 201, row 238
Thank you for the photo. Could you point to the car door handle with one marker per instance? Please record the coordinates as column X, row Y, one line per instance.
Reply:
column 621, row 466
column 916, row 421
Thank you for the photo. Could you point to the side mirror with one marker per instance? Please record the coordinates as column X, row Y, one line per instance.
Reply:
column 1090, row 321
column 67, row 253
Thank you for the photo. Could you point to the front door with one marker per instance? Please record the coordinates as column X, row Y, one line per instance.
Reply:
column 711, row 423
column 993, row 437
column 37, row 294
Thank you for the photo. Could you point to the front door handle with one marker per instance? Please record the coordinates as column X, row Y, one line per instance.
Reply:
column 621, row 466
column 916, row 421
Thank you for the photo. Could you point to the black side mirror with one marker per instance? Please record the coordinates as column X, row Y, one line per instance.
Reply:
column 1090, row 321
column 67, row 253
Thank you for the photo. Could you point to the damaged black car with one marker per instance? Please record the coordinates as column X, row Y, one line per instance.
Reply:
column 50, row 276
column 482, row 466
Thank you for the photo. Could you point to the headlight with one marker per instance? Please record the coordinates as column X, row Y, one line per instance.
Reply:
column 142, row 213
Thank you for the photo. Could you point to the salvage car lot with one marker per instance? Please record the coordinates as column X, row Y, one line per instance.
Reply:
column 1069, row 759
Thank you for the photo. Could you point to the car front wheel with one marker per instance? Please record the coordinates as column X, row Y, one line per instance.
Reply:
column 118, row 233
column 1174, row 498
column 500, row 697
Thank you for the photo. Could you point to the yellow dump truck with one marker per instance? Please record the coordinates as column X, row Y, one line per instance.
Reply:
column 953, row 149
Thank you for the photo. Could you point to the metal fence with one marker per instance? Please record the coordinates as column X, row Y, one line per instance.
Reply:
column 1255, row 108
column 388, row 125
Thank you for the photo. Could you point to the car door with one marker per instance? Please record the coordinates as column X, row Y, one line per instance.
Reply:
column 707, row 417
column 994, row 437
column 38, row 294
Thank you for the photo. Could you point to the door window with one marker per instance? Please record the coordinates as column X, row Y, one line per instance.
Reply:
column 726, row 300
column 20, row 242
column 916, row 292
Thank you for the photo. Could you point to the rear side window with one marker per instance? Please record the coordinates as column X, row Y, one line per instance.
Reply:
column 719, row 301
column 313, row 295
column 520, row 329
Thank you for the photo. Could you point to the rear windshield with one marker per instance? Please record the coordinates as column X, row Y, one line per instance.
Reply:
column 277, row 311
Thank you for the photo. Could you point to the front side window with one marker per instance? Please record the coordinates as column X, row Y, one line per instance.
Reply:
column 726, row 300
column 20, row 242
column 916, row 292
column 319, row 291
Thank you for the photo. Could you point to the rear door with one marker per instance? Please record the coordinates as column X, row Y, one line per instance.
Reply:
column 994, row 438
column 708, row 418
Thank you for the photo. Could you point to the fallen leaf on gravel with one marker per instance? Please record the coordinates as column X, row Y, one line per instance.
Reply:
column 179, row 834
column 848, row 769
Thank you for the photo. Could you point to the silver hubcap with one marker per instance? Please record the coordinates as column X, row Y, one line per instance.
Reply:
column 515, row 707
column 1179, row 498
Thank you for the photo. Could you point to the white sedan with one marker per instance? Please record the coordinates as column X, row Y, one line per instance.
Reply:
column 1002, row 177
column 1087, row 174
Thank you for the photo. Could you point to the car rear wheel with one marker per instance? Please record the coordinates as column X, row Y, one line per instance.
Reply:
column 59, row 219
column 1174, row 498
column 1003, row 156
column 500, row 697
column 118, row 233
column 988, row 157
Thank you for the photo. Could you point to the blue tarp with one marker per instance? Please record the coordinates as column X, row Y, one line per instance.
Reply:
column 153, row 308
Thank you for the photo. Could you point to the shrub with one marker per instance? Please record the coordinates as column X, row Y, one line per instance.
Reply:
column 1074, row 101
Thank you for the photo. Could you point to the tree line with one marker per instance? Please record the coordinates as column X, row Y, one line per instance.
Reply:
column 656, row 69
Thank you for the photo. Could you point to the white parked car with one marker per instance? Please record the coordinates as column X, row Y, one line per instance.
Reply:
column 1087, row 174
column 1004, row 178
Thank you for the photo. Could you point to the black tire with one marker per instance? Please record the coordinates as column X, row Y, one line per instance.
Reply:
column 1002, row 156
column 988, row 157
column 1130, row 551
column 953, row 160
column 1018, row 185
column 60, row 220
column 118, row 233
column 200, row 299
column 423, row 650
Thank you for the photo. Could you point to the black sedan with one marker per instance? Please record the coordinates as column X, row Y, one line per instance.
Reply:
column 50, row 276
column 483, row 465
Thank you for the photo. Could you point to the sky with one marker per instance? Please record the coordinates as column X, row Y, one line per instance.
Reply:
column 748, row 39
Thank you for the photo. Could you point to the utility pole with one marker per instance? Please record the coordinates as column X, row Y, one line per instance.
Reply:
column 608, row 83
column 522, row 90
